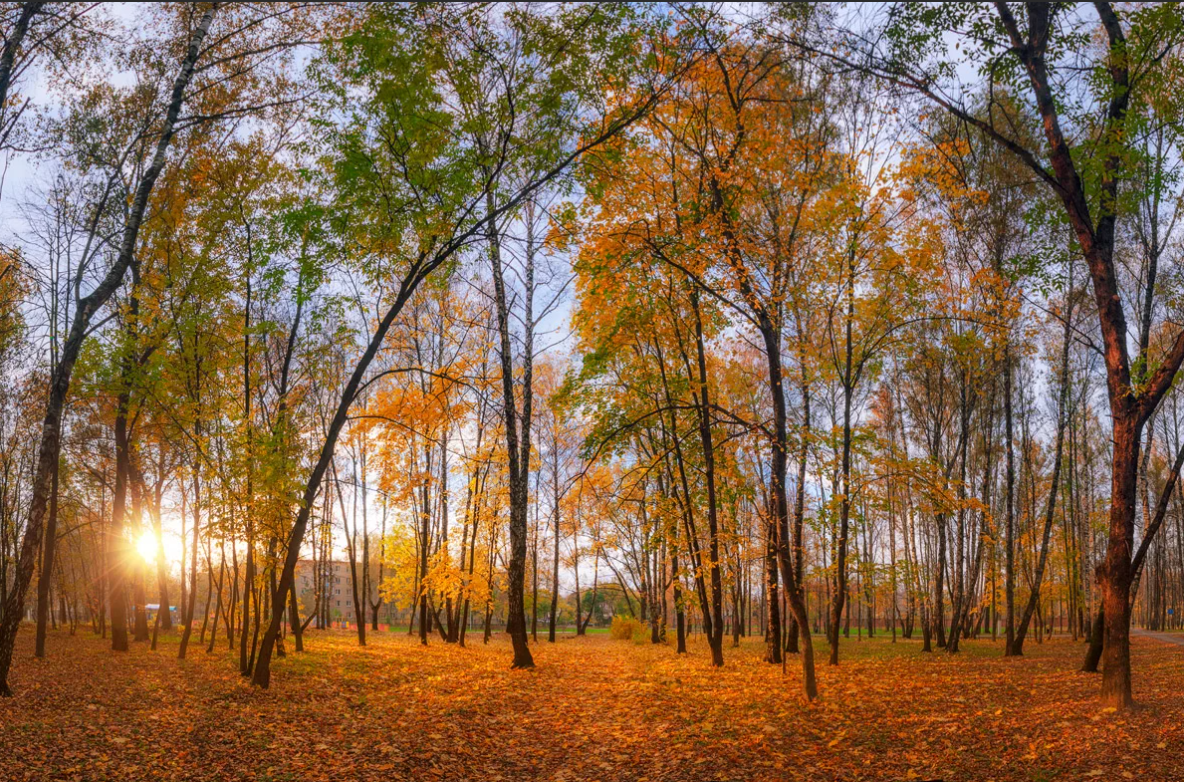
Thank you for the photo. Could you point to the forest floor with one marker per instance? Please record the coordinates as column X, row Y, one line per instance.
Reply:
column 593, row 709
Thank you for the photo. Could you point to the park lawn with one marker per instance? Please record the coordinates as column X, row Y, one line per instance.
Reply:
column 593, row 709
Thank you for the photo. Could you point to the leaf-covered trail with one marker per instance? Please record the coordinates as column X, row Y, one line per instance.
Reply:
column 593, row 709
column 1167, row 638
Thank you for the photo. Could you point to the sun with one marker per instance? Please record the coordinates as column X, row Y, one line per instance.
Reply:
column 146, row 545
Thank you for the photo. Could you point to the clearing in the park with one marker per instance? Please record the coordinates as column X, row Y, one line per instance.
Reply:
column 594, row 708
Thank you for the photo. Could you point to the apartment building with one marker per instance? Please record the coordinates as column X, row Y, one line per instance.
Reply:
column 339, row 595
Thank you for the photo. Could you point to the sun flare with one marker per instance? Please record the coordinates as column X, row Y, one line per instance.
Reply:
column 146, row 545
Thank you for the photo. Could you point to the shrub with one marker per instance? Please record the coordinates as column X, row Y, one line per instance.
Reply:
column 624, row 629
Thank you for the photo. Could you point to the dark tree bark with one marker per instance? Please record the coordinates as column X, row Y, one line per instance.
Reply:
column 162, row 577
column 555, row 561
column 848, row 380
column 140, row 600
column 191, row 596
column 12, row 45
column 217, row 608
column 1095, row 233
column 425, row 531
column 1009, row 537
column 47, row 551
column 117, row 549
column 685, row 502
column 716, row 637
column 351, row 547
column 773, row 639
column 792, row 563
column 534, row 574
column 680, row 616
column 799, row 501
column 959, row 558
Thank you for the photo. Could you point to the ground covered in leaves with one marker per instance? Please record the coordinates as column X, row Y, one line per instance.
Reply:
column 593, row 709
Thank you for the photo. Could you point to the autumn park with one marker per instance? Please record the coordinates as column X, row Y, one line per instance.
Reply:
column 591, row 391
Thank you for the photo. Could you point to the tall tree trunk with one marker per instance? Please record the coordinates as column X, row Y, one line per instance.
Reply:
column 517, row 429
column 555, row 560
column 799, row 502
column 960, row 554
column 1129, row 408
column 716, row 637
column 534, row 573
column 191, row 597
column 162, row 575
column 1009, row 500
column 773, row 639
column 425, row 521
column 51, row 527
column 351, row 547
column 680, row 616
column 140, row 567
column 217, row 607
column 840, row 595
column 117, row 548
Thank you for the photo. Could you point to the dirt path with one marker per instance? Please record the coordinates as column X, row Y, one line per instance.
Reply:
column 1167, row 638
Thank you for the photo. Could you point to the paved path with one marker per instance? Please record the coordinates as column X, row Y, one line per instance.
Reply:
column 1168, row 638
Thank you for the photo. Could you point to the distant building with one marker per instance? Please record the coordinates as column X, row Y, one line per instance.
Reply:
column 339, row 597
